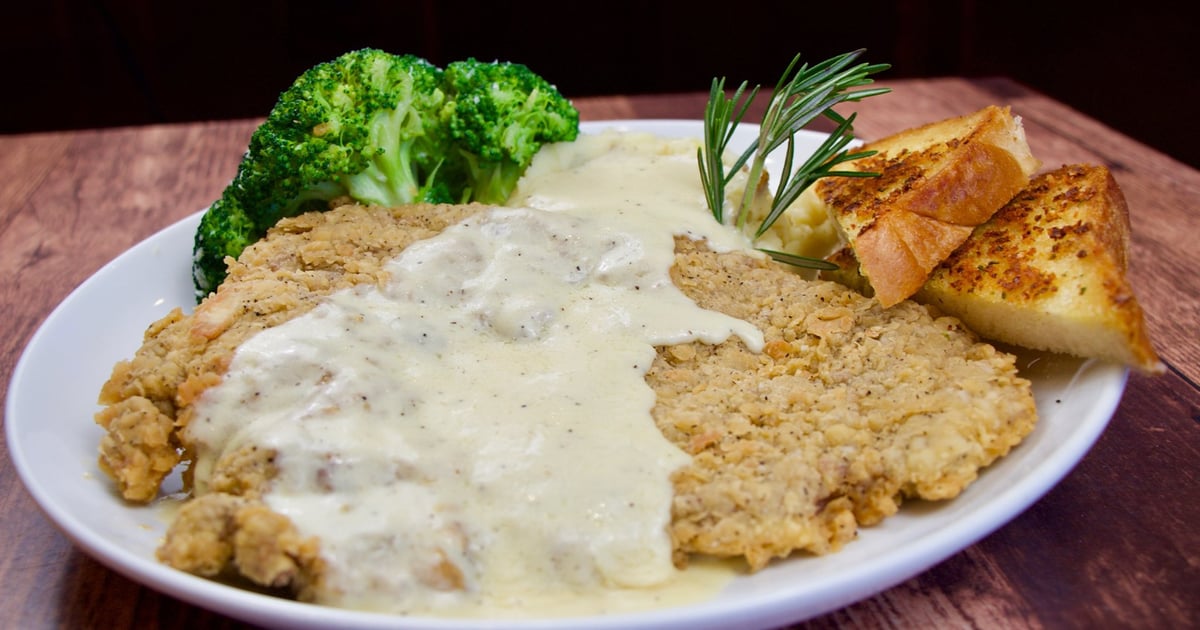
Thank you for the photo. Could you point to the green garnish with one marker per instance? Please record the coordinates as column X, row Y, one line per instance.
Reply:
column 801, row 95
column 800, row 261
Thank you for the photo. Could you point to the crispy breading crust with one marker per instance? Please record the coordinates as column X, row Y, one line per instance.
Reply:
column 850, row 409
column 217, row 531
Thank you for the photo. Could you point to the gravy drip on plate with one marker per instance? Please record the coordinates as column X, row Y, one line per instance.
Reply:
column 475, row 438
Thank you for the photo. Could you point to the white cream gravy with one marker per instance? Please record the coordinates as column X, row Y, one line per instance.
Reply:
column 475, row 438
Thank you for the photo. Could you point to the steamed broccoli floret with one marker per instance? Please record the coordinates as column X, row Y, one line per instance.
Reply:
column 499, row 114
column 365, row 125
column 387, row 130
column 225, row 230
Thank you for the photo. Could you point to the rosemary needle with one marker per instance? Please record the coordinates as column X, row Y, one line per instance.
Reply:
column 802, row 95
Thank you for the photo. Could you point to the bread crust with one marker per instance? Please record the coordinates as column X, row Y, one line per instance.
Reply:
column 936, row 183
column 1048, row 272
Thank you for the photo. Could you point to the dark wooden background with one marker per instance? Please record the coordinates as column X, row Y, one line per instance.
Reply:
column 99, row 63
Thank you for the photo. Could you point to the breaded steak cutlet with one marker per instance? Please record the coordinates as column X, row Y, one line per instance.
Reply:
column 849, row 409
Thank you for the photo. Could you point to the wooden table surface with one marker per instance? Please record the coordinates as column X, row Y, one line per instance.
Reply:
column 1116, row 543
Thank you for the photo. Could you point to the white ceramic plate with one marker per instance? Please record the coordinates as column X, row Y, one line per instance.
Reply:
column 53, row 441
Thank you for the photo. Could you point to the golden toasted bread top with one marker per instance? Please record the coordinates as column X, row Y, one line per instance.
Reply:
column 1059, row 248
column 935, row 184
column 1065, row 217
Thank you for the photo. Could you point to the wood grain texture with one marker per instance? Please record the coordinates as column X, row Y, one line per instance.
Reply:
column 1114, row 544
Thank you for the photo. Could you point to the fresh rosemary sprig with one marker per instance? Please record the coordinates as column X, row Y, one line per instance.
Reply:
column 802, row 95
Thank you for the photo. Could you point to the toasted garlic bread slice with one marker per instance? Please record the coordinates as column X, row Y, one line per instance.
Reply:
column 936, row 183
column 1048, row 272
